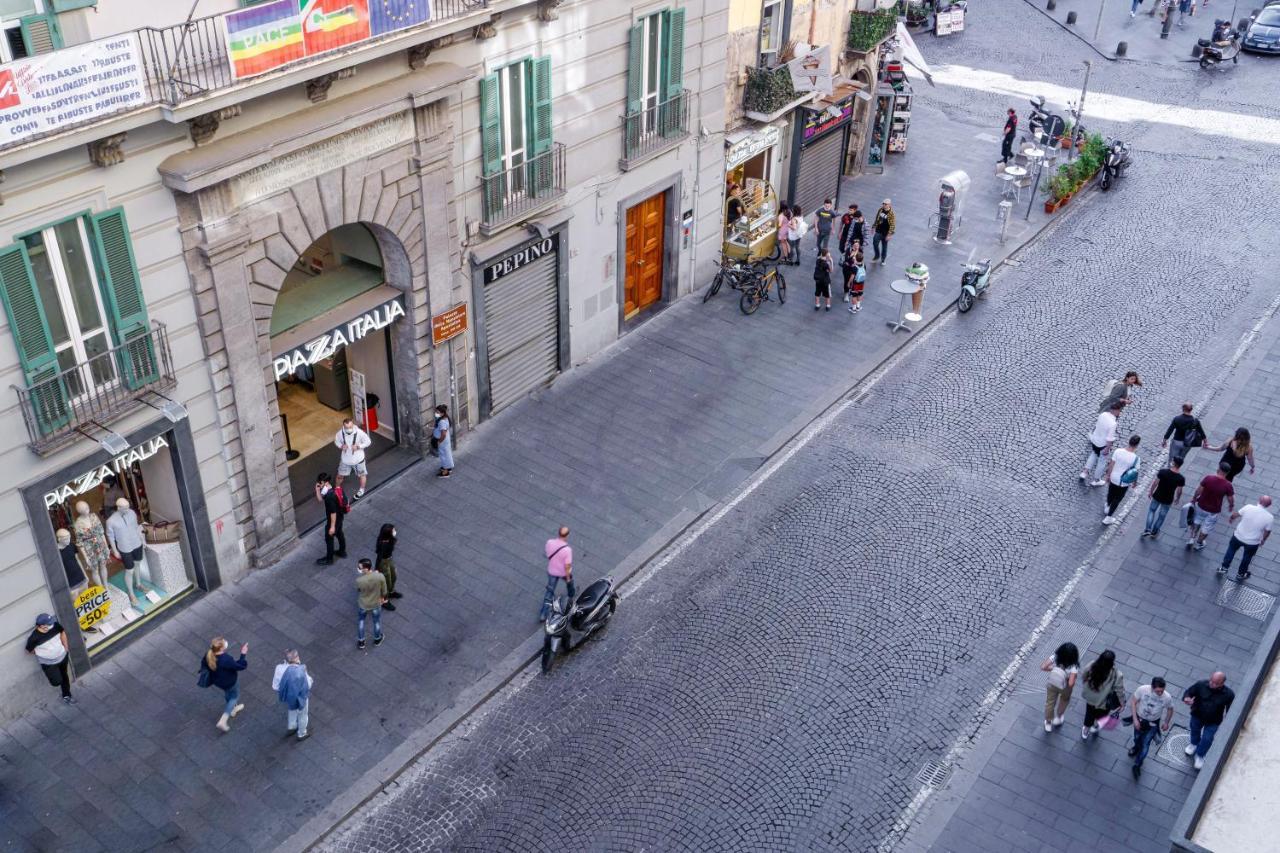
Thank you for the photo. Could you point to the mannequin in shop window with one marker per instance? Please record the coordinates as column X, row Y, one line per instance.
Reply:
column 91, row 541
column 73, row 564
column 124, row 532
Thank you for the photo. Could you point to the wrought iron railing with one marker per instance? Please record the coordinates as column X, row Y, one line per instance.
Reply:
column 656, row 128
column 510, row 194
column 98, row 390
column 188, row 60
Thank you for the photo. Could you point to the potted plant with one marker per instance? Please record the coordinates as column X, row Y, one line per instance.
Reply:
column 1065, row 139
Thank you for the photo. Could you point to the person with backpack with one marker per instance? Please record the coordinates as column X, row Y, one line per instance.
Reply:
column 219, row 669
column 335, row 509
column 848, row 266
column 796, row 233
column 1184, row 433
column 383, row 548
column 1119, row 391
column 822, row 279
column 1122, row 472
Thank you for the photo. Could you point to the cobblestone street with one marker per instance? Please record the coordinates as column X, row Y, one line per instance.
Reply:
column 849, row 548
column 787, row 676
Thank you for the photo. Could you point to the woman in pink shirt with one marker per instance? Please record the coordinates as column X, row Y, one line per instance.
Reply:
column 784, row 233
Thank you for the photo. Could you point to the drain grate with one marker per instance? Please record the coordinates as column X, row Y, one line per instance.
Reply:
column 1173, row 749
column 934, row 774
column 1067, row 631
column 1245, row 599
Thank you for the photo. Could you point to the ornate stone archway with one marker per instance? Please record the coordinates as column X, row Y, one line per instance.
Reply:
column 249, row 205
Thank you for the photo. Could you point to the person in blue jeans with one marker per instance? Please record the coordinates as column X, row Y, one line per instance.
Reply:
column 224, row 673
column 559, row 568
column 1152, row 711
column 371, row 594
column 1209, row 700
column 1165, row 491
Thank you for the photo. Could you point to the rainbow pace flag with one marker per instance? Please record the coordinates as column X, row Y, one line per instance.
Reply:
column 330, row 24
column 264, row 37
column 387, row 16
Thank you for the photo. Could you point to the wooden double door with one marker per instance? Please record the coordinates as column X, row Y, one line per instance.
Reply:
column 646, row 236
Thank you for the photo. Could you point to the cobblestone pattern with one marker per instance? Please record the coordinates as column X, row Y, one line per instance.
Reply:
column 780, row 685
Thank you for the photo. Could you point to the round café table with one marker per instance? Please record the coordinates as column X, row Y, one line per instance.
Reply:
column 905, row 289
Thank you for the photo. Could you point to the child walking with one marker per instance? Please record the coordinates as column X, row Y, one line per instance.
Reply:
column 822, row 279
column 856, row 279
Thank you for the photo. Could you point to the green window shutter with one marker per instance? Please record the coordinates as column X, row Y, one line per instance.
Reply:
column 635, row 71
column 673, row 82
column 40, row 33
column 491, row 145
column 32, row 338
column 543, row 167
column 122, row 294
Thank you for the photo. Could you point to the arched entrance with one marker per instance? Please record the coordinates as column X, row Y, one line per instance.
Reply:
column 336, row 326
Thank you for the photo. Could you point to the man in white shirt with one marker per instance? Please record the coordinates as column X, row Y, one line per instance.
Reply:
column 352, row 441
column 1152, row 710
column 1253, row 529
column 1122, row 472
column 1100, row 441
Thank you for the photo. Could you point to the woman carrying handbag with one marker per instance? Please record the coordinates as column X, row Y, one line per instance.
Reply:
column 1103, row 692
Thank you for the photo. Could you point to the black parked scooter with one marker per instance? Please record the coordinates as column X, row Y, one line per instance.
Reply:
column 1224, row 45
column 1114, row 164
column 587, row 614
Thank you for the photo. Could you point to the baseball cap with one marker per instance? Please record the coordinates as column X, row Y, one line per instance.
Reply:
column 886, row 201
column 44, row 619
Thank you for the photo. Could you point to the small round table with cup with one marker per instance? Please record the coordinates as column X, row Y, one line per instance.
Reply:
column 917, row 279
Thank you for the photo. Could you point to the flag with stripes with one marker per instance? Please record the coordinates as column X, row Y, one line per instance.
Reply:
column 331, row 24
column 261, row 38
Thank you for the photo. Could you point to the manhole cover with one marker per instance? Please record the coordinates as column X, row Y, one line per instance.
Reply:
column 1173, row 749
column 1246, row 600
column 1067, row 631
column 934, row 774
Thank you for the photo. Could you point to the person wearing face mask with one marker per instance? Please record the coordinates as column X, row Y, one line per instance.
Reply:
column 48, row 642
column 383, row 549
column 352, row 441
column 334, row 511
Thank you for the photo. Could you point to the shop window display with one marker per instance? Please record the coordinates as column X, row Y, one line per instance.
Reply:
column 119, row 534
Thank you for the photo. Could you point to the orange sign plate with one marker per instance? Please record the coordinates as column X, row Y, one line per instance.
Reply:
column 448, row 325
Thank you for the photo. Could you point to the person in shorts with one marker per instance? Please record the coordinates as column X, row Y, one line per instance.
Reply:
column 822, row 279
column 352, row 441
column 1206, row 505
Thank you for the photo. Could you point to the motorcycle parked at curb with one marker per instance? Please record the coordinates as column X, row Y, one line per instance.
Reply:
column 974, row 282
column 585, row 615
column 1114, row 164
column 1224, row 45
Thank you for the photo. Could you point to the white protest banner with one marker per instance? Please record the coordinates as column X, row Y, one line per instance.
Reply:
column 70, row 86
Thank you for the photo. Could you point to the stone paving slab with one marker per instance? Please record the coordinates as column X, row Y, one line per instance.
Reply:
column 651, row 433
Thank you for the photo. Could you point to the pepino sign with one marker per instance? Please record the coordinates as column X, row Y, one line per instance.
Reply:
column 55, row 90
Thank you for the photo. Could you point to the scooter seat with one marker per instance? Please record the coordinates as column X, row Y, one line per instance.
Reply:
column 1203, row 42
column 591, row 596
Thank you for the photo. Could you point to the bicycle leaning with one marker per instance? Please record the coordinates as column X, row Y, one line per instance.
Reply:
column 757, row 290
column 733, row 271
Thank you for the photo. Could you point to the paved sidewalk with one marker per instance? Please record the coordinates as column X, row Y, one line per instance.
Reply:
column 1164, row 612
column 626, row 450
column 1141, row 33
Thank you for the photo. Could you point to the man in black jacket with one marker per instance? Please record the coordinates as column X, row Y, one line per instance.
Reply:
column 1010, row 130
column 1183, row 434
column 852, row 226
column 1209, row 700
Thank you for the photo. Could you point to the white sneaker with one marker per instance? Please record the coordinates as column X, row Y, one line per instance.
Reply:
column 1191, row 749
column 1057, row 721
column 1199, row 762
column 1084, row 475
column 1094, row 728
column 1048, row 727
column 1084, row 733
column 1098, row 483
column 1108, row 519
column 359, row 494
column 1131, row 14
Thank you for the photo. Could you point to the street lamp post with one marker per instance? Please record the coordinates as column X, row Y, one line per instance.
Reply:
column 1075, row 125
column 1102, row 4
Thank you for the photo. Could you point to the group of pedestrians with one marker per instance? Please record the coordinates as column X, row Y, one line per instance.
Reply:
column 853, row 233
column 1150, row 709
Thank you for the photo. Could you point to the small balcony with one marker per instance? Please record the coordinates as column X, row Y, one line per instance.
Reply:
column 514, row 194
column 769, row 93
column 83, row 398
column 654, row 130
column 868, row 29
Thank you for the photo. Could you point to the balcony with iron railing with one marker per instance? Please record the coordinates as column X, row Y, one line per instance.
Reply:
column 85, row 397
column 184, row 67
column 655, row 129
column 512, row 195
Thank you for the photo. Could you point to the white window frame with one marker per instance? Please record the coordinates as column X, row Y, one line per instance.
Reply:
column 67, row 306
column 514, row 151
column 775, row 29
column 6, row 55
column 651, row 89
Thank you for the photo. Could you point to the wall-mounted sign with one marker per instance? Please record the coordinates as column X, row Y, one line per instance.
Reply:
column 819, row 121
column 320, row 348
column 270, row 35
column 745, row 149
column 449, row 324
column 520, row 257
column 92, row 606
column 54, row 90
column 93, row 478
column 359, row 411
column 811, row 70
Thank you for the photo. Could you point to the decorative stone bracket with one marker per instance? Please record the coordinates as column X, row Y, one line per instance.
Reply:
column 419, row 52
column 547, row 10
column 489, row 29
column 318, row 88
column 107, row 151
column 203, row 127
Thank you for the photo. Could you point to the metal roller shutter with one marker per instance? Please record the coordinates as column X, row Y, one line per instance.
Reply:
column 522, row 331
column 818, row 177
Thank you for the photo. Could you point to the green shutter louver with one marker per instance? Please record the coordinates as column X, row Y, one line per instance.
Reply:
column 673, row 84
column 31, row 337
column 491, row 145
column 122, row 293
column 543, row 172
column 40, row 33
column 635, row 71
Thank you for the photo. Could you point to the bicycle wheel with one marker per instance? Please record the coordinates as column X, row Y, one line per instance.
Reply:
column 777, row 251
column 750, row 300
column 715, row 286
column 782, row 288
